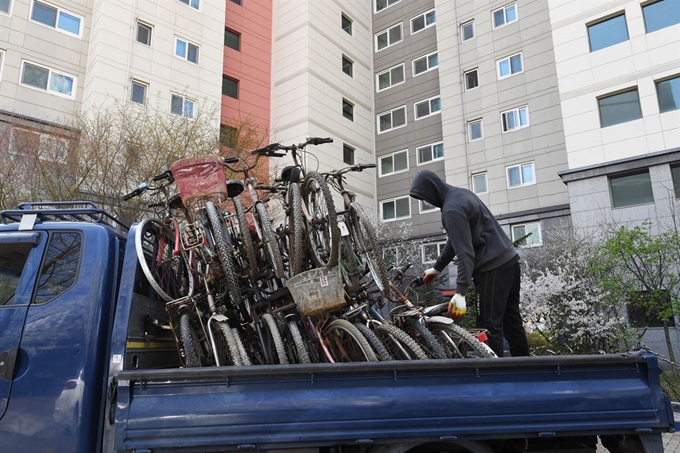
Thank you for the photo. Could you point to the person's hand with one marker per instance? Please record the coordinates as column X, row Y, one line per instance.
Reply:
column 457, row 307
column 429, row 275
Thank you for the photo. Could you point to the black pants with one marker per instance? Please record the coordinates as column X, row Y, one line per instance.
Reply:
column 498, row 309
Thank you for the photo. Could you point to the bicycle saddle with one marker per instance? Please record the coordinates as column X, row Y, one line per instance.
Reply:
column 290, row 173
column 234, row 188
column 436, row 309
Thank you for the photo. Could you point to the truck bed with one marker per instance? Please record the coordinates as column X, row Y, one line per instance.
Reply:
column 296, row 406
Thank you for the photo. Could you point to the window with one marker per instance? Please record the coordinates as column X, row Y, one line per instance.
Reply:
column 391, row 256
column 479, row 183
column 661, row 14
column 47, row 79
column 505, row 15
column 467, row 31
column 388, row 37
column 2, row 59
column 675, row 172
column 348, row 109
column 427, row 107
column 429, row 153
column 186, row 50
column 426, row 207
column 179, row 105
column 346, row 24
column 532, row 231
column 471, row 79
column 643, row 311
column 347, row 154
column 397, row 208
column 423, row 21
column 426, row 63
column 382, row 4
column 232, row 39
column 60, row 266
column 475, row 130
column 631, row 189
column 228, row 136
column 509, row 66
column 347, row 66
column 391, row 77
column 56, row 18
column 668, row 94
column 138, row 92
column 13, row 258
column 144, row 33
column 608, row 32
column 520, row 175
column 4, row 8
column 515, row 119
column 430, row 252
column 619, row 108
column 229, row 87
column 195, row 4
column 392, row 120
column 238, row 2
column 394, row 163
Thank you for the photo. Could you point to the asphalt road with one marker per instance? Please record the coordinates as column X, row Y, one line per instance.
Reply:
column 671, row 444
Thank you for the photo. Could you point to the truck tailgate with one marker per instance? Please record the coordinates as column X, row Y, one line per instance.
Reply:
column 295, row 406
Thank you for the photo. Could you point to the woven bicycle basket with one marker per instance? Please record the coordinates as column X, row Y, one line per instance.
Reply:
column 317, row 291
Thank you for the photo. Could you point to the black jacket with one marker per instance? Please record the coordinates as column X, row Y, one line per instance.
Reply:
column 474, row 235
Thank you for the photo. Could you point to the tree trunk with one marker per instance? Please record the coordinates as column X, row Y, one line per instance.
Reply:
column 669, row 345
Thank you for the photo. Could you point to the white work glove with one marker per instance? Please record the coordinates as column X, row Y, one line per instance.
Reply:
column 429, row 275
column 457, row 307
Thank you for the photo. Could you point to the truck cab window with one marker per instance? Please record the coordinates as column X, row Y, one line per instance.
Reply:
column 13, row 258
column 60, row 267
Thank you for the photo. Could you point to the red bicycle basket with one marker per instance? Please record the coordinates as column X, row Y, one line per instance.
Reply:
column 200, row 179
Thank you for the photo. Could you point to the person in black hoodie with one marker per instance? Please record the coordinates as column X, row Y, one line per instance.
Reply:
column 485, row 253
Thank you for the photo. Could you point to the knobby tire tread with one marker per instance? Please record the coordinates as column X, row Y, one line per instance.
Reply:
column 188, row 340
column 276, row 337
column 425, row 338
column 244, row 228
column 460, row 333
column 224, row 253
column 378, row 347
column 295, row 230
column 402, row 337
column 355, row 334
column 270, row 242
column 232, row 347
column 300, row 347
column 245, row 359
column 331, row 243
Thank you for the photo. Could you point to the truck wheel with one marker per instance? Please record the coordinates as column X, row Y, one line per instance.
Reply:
column 189, row 341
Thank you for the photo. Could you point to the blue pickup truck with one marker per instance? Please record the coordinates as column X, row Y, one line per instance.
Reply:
column 85, row 367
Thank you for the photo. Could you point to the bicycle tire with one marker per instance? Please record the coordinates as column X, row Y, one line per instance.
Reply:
column 299, row 349
column 223, row 246
column 295, row 230
column 400, row 343
column 245, row 359
column 459, row 343
column 168, row 275
column 231, row 354
column 244, row 229
column 378, row 347
column 189, row 341
column 425, row 338
column 270, row 242
column 368, row 246
column 322, row 221
column 275, row 336
column 340, row 346
column 350, row 266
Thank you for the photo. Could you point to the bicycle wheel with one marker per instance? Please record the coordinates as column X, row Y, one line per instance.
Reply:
column 351, row 273
column 245, row 359
column 227, row 348
column 224, row 247
column 322, row 222
column 190, row 344
column 368, row 246
column 459, row 343
column 346, row 343
column 246, row 239
column 297, row 350
column 166, row 271
column 378, row 347
column 295, row 230
column 271, row 246
column 399, row 343
column 425, row 339
column 276, row 351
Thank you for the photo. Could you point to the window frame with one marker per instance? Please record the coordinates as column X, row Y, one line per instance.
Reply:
column 391, row 112
column 3, row 55
column 186, row 57
column 9, row 9
column 427, row 59
column 349, row 20
column 237, row 84
column 134, row 82
column 602, row 20
column 440, row 247
column 351, row 105
column 391, row 156
column 236, row 34
column 429, row 106
column 486, row 182
column 434, row 159
column 394, row 200
column 519, row 116
column 351, row 65
column 641, row 171
column 675, row 176
column 505, row 16
column 352, row 149
column 527, row 245
column 41, row 269
column 424, row 16
column 141, row 23
column 521, row 174
column 184, row 100
column 426, row 211
column 658, row 97
column 238, row 2
column 387, row 30
column 59, row 10
column 481, row 129
column 618, row 93
column 476, row 71
column 644, row 17
column 189, row 4
column 462, row 32
column 389, row 71
column 509, row 60
column 72, row 96
column 375, row 5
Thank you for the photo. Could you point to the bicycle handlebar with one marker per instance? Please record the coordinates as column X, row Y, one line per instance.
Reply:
column 270, row 150
column 138, row 191
column 167, row 174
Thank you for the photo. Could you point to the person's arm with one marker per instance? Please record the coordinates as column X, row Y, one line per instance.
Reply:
column 457, row 226
column 445, row 256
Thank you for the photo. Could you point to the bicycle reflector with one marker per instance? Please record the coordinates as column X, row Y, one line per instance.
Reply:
column 482, row 337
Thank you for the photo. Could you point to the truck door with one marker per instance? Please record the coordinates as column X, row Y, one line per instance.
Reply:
column 20, row 254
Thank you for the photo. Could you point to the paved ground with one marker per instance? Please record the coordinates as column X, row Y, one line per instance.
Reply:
column 671, row 444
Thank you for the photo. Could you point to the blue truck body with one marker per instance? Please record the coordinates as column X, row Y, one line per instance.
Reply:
column 82, row 369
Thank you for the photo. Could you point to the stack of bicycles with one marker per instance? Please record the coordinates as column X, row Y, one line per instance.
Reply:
column 241, row 289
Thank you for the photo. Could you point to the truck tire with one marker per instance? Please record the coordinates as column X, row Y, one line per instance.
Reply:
column 459, row 343
column 189, row 341
column 377, row 345
column 399, row 343
column 346, row 343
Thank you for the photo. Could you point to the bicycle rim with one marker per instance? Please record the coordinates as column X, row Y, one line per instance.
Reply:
column 346, row 343
column 459, row 343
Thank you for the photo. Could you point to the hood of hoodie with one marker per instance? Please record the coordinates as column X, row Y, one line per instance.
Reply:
column 429, row 187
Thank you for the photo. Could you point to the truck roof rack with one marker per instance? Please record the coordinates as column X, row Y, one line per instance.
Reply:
column 62, row 211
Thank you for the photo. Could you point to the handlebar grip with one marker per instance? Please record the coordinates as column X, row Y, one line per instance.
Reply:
column 229, row 160
column 138, row 191
column 405, row 267
column 320, row 141
column 370, row 166
column 165, row 175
